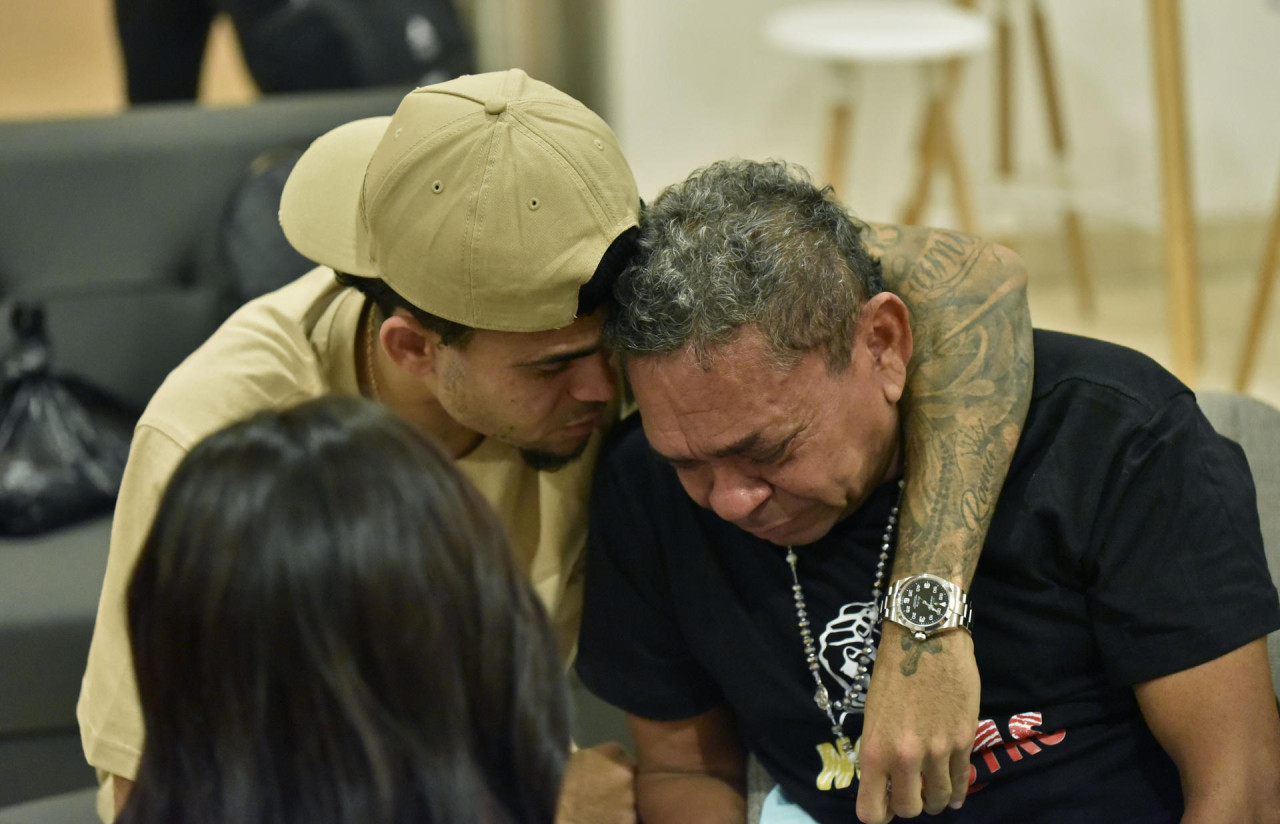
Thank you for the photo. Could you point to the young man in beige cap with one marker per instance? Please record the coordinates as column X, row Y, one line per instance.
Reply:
column 475, row 235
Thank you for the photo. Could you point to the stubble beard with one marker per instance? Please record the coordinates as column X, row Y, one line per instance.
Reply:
column 551, row 461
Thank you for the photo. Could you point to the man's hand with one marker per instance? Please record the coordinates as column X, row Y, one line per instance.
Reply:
column 921, row 716
column 963, row 409
column 599, row 787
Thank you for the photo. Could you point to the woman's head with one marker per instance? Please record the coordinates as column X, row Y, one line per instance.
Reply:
column 328, row 626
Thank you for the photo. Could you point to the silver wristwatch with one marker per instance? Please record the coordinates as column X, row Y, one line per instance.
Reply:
column 927, row 605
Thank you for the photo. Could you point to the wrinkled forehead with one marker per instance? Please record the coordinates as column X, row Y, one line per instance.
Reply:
column 683, row 382
column 742, row 362
column 697, row 406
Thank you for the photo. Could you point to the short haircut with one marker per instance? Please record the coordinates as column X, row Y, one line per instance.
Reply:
column 328, row 626
column 388, row 300
column 593, row 295
column 745, row 243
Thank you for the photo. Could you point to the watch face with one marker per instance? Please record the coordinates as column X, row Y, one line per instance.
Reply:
column 924, row 602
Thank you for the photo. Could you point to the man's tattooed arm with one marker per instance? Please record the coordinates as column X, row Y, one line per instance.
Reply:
column 968, row 388
column 967, row 392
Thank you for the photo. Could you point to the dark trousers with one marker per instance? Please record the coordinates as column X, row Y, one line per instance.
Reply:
column 164, row 43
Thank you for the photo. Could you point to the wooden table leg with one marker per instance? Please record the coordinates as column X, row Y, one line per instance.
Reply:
column 838, row 130
column 1261, row 302
column 1058, row 138
column 961, row 188
column 1004, row 89
column 1179, row 223
column 844, row 93
column 913, row 212
column 939, row 147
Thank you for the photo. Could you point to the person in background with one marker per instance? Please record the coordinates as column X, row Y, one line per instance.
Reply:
column 328, row 628
column 292, row 45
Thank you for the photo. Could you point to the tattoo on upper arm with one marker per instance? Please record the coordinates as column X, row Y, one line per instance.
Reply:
column 966, row 396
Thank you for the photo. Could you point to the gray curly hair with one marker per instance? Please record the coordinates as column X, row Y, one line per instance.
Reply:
column 743, row 242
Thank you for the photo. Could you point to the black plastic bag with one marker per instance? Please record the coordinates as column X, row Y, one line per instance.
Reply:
column 251, row 244
column 63, row 442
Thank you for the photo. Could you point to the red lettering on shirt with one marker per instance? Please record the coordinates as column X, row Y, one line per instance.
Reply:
column 1026, row 741
column 986, row 739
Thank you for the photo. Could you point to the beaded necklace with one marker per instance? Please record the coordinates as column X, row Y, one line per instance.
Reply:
column 856, row 694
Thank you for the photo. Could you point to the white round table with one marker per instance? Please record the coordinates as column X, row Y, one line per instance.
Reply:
column 892, row 31
column 849, row 34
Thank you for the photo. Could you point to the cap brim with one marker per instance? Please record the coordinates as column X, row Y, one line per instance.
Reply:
column 320, row 205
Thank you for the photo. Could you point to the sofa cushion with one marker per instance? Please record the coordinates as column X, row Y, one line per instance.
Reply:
column 112, row 223
column 76, row 807
column 50, row 585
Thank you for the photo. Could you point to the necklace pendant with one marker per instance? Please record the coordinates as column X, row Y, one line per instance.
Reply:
column 854, row 695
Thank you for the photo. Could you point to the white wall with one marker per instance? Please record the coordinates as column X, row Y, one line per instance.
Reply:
column 691, row 81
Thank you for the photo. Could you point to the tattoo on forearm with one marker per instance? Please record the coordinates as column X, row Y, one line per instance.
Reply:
column 977, row 503
column 967, row 391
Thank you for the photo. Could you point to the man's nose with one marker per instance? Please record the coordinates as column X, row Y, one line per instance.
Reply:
column 593, row 379
column 734, row 495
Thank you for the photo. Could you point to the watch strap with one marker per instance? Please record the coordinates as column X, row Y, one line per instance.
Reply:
column 959, row 613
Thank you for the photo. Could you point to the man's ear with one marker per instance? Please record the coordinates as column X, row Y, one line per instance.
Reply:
column 884, row 327
column 411, row 346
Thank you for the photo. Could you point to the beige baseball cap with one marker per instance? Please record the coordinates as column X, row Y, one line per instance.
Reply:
column 487, row 200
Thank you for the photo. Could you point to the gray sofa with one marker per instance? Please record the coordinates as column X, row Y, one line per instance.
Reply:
column 110, row 223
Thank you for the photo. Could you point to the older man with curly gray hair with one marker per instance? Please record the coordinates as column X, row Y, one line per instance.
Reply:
column 742, row 593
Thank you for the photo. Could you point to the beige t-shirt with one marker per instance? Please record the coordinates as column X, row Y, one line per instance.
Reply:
column 289, row 346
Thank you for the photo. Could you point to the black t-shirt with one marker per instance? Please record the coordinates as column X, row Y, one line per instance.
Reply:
column 1125, row 546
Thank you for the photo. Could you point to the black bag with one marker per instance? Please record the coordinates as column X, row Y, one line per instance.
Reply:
column 305, row 45
column 63, row 443
column 251, row 245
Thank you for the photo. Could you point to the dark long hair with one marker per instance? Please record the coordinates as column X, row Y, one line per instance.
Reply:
column 328, row 626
